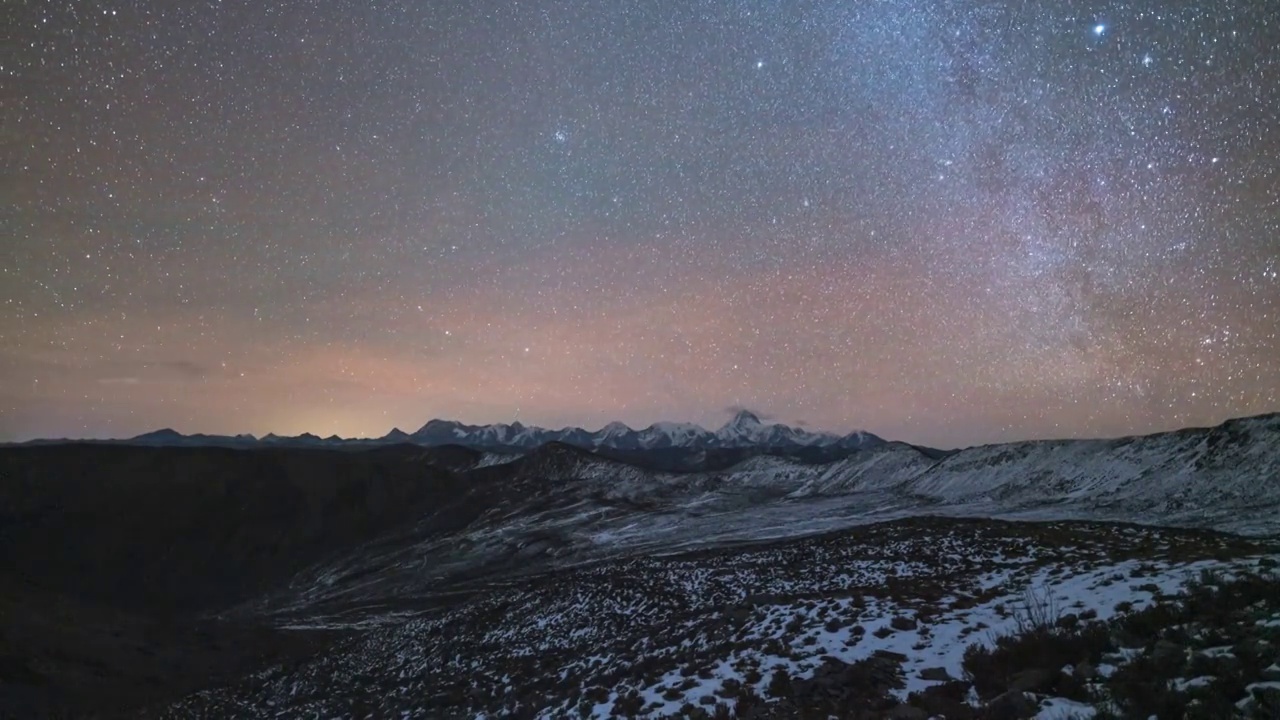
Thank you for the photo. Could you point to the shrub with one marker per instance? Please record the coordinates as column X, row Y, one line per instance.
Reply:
column 1153, row 621
column 629, row 704
column 780, row 684
column 1037, row 609
column 991, row 668
column 1141, row 690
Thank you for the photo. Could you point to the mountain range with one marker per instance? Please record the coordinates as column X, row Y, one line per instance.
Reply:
column 209, row 577
column 744, row 431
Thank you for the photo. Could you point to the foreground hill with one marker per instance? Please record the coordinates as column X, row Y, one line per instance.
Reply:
column 136, row 574
column 868, row 623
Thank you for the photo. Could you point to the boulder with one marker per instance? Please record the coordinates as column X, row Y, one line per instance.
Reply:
column 939, row 674
column 1012, row 705
column 890, row 656
column 948, row 700
column 1032, row 680
column 903, row 623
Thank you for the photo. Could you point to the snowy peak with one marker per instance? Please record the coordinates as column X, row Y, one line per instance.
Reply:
column 744, row 431
column 670, row 434
column 743, row 420
column 614, row 429
column 443, row 430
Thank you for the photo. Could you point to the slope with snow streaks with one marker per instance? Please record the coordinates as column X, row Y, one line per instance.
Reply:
column 1186, row 476
column 562, row 507
column 880, row 469
column 677, row 629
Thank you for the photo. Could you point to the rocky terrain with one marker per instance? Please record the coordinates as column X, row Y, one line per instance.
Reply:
column 439, row 582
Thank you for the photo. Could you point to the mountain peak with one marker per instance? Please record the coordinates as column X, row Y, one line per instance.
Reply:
column 162, row 434
column 743, row 419
column 437, row 425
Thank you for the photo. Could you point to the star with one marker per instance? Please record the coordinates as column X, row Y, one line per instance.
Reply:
column 926, row 220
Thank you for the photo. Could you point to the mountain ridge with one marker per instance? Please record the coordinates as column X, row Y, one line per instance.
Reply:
column 744, row 431
column 396, row 546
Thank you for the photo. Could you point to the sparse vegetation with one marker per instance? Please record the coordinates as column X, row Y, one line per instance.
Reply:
column 1178, row 667
column 781, row 629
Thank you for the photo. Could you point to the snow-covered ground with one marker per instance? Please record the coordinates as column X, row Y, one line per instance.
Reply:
column 938, row 642
column 690, row 628
column 583, row 583
column 561, row 508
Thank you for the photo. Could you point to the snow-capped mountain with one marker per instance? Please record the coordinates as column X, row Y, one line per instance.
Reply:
column 745, row 430
column 577, row 505
column 491, row 564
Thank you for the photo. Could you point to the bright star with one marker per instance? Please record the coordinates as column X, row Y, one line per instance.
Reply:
column 1099, row 29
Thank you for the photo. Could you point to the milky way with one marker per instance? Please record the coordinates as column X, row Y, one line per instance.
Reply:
column 946, row 223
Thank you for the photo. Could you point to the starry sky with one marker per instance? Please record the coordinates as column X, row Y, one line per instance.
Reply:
column 946, row 223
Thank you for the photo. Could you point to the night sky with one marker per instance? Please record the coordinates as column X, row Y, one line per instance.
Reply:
column 943, row 222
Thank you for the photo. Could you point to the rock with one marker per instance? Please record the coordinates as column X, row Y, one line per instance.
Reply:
column 1085, row 671
column 842, row 683
column 889, row 655
column 707, row 700
column 1033, row 680
column 948, row 700
column 936, row 673
column 1069, row 621
column 905, row 712
column 1012, row 706
column 903, row 623
column 1271, row 673
column 831, row 670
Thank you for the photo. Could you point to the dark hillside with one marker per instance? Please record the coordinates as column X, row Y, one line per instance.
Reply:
column 196, row 529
